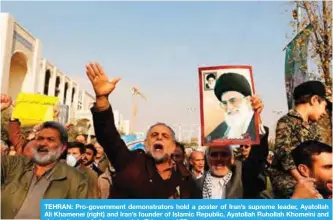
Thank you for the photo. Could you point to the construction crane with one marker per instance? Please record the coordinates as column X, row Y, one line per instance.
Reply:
column 135, row 95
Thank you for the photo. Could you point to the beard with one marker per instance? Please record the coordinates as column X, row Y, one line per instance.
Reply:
column 211, row 85
column 322, row 188
column 236, row 121
column 45, row 159
column 159, row 159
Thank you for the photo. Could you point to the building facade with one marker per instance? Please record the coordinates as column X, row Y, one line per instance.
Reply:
column 24, row 70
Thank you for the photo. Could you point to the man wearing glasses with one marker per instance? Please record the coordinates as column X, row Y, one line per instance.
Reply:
column 235, row 95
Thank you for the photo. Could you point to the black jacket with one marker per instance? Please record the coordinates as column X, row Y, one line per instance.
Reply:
column 253, row 168
column 136, row 174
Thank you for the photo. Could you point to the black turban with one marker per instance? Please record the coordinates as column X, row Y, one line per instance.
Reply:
column 211, row 75
column 232, row 82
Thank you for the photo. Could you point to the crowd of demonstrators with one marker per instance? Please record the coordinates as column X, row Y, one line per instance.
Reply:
column 75, row 154
column 41, row 163
column 150, row 174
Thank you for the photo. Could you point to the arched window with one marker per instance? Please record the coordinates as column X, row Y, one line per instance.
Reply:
column 57, row 89
column 47, row 81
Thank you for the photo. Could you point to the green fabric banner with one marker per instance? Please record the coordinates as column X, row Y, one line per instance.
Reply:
column 296, row 63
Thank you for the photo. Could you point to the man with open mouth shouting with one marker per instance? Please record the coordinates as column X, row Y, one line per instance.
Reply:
column 25, row 181
column 139, row 175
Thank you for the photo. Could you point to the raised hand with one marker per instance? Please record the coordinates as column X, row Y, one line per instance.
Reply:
column 6, row 101
column 99, row 80
column 305, row 189
column 257, row 104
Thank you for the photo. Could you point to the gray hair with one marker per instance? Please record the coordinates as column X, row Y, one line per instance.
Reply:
column 59, row 127
column 165, row 125
column 196, row 150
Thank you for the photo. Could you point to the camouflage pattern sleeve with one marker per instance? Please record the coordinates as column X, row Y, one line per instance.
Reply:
column 283, row 143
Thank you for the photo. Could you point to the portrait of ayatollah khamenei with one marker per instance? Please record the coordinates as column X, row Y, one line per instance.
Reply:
column 227, row 116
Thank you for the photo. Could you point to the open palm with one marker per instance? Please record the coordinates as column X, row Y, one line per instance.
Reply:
column 99, row 80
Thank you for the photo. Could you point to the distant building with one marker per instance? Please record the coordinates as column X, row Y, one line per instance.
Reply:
column 22, row 69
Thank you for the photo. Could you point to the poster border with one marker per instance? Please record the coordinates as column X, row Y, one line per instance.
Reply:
column 202, row 123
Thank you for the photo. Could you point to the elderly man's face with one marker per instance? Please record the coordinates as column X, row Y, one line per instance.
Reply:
column 236, row 107
column 160, row 143
column 49, row 146
column 219, row 160
column 197, row 160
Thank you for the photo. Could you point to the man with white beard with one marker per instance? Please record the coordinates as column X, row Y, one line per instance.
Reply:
column 224, row 178
column 25, row 181
column 235, row 95
column 153, row 174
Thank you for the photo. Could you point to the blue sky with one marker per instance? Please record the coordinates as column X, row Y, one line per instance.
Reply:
column 158, row 46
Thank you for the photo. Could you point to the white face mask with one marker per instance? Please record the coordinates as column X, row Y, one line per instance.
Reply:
column 71, row 160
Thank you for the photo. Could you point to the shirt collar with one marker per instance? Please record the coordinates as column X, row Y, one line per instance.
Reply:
column 294, row 113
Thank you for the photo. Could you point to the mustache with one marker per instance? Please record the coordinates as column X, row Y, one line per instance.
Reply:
column 42, row 149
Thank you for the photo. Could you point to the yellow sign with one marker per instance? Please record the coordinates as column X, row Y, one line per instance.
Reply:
column 32, row 109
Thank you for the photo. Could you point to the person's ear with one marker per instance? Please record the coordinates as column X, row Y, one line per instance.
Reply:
column 304, row 170
column 63, row 148
column 314, row 99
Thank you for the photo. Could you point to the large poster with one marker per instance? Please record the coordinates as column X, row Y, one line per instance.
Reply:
column 227, row 116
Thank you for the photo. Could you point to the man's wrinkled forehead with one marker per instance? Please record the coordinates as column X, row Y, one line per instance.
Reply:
column 160, row 129
column 197, row 154
column 49, row 133
column 226, row 96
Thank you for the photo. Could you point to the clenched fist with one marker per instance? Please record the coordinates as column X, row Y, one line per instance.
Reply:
column 6, row 101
